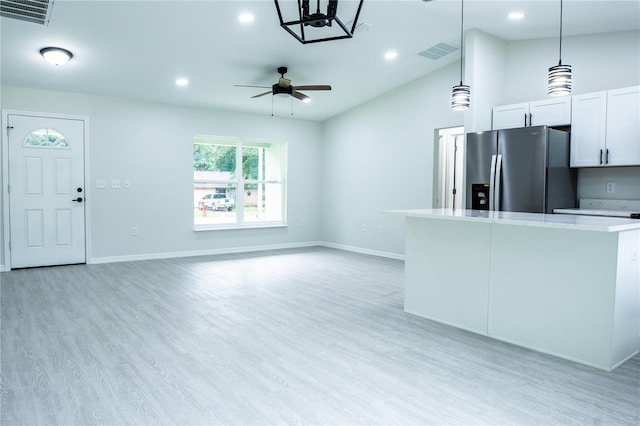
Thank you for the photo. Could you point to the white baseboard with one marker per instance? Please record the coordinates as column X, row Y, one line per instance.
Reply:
column 249, row 249
column 364, row 251
column 208, row 252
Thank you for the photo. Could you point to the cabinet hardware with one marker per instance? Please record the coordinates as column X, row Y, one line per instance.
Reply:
column 607, row 157
column 600, row 156
column 530, row 123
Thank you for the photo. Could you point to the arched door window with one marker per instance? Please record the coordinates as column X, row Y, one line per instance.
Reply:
column 46, row 138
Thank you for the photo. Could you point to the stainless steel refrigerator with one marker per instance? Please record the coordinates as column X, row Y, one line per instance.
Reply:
column 519, row 170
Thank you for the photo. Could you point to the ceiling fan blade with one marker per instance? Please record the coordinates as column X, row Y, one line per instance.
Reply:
column 244, row 85
column 314, row 87
column 261, row 94
column 299, row 95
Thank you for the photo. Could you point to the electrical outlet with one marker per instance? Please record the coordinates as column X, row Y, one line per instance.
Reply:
column 380, row 229
column 134, row 231
column 611, row 187
column 301, row 223
column 126, row 184
column 363, row 227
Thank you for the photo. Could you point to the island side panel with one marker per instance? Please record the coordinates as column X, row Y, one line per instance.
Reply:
column 447, row 271
column 553, row 290
column 626, row 324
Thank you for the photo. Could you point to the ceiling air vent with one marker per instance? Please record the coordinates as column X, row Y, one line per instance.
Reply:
column 438, row 51
column 36, row 11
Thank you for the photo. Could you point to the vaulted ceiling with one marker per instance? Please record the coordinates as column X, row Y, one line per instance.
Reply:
column 137, row 49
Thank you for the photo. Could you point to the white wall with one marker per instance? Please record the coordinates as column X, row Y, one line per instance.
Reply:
column 599, row 62
column 485, row 68
column 379, row 156
column 151, row 144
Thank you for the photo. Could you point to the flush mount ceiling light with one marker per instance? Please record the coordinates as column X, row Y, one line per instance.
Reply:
column 461, row 94
column 307, row 26
column 56, row 55
column 559, row 78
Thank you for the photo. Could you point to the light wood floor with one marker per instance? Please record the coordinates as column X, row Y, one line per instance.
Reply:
column 311, row 336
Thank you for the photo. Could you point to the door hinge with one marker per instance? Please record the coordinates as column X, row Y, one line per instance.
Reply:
column 9, row 244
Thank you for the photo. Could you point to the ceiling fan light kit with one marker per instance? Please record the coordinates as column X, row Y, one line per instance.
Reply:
column 318, row 19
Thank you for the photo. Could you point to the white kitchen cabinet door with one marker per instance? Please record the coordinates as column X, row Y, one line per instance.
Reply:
column 623, row 127
column 510, row 116
column 550, row 112
column 588, row 129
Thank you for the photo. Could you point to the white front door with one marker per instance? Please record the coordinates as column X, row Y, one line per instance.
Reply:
column 46, row 191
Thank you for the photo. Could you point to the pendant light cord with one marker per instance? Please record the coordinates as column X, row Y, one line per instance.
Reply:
column 461, row 38
column 560, row 55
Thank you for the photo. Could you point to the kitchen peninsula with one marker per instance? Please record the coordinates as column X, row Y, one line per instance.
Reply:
column 565, row 285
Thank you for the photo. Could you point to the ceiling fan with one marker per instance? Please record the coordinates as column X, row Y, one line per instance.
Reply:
column 284, row 87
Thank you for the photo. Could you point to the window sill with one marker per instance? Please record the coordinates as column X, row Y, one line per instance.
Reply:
column 223, row 227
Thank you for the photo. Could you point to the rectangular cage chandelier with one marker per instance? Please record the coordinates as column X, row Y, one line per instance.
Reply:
column 309, row 26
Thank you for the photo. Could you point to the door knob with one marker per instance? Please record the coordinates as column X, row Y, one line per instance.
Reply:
column 79, row 199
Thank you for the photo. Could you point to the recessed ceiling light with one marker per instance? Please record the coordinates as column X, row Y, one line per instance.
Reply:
column 390, row 55
column 515, row 15
column 246, row 18
column 56, row 55
column 182, row 82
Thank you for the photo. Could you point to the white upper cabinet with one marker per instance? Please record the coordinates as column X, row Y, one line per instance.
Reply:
column 623, row 127
column 605, row 128
column 550, row 112
column 510, row 116
column 588, row 129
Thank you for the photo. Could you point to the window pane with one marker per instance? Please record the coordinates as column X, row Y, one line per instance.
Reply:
column 46, row 138
column 253, row 163
column 218, row 160
column 215, row 204
column 263, row 202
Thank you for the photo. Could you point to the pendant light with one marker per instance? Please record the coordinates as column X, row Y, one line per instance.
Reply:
column 461, row 95
column 559, row 75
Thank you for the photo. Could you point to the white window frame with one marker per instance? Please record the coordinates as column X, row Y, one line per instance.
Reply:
column 239, row 181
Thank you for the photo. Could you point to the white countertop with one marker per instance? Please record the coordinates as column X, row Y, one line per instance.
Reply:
column 585, row 223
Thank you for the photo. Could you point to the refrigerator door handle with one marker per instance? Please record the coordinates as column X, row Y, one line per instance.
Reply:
column 496, row 197
column 492, row 179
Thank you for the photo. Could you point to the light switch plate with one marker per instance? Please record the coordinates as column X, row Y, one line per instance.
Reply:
column 101, row 183
column 115, row 184
column 126, row 184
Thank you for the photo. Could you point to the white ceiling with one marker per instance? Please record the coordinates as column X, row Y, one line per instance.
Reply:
column 137, row 49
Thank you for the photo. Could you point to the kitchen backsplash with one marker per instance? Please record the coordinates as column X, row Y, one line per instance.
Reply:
column 623, row 181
